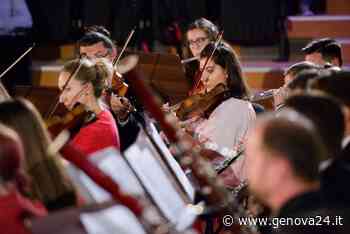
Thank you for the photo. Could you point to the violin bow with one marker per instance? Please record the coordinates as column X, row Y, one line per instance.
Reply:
column 217, row 42
column 116, row 61
column 17, row 60
column 54, row 106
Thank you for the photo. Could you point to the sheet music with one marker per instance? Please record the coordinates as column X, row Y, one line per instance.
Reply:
column 173, row 163
column 158, row 184
column 116, row 219
column 110, row 162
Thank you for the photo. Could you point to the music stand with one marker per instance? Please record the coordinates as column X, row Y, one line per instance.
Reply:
column 165, row 75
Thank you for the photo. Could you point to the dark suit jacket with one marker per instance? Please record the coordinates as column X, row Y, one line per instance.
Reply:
column 335, row 179
column 318, row 216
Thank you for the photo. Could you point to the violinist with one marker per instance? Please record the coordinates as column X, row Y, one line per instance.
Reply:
column 49, row 183
column 224, row 129
column 198, row 34
column 85, row 88
column 96, row 45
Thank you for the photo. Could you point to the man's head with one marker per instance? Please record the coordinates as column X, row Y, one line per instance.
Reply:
column 282, row 154
column 327, row 116
column 295, row 69
column 301, row 80
column 336, row 84
column 323, row 51
column 96, row 45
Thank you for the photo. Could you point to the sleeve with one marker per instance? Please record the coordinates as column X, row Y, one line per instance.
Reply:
column 22, row 16
column 128, row 132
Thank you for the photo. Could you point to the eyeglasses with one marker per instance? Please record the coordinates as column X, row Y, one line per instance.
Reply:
column 97, row 55
column 199, row 41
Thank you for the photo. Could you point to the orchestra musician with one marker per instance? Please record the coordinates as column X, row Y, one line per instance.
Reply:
column 323, row 51
column 15, row 208
column 198, row 34
column 224, row 129
column 337, row 172
column 85, row 88
column 279, row 95
column 49, row 182
column 95, row 45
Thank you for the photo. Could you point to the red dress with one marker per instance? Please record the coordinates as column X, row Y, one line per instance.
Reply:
column 97, row 135
column 14, row 208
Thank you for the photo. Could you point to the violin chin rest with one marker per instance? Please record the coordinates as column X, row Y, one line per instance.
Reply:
column 127, row 64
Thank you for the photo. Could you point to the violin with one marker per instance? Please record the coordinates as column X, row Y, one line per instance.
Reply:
column 202, row 104
column 198, row 99
column 72, row 120
column 199, row 85
column 215, row 194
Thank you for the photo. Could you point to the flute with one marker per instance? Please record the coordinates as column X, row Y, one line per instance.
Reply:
column 189, row 59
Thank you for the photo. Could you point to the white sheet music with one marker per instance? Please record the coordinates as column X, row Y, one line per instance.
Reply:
column 110, row 162
column 116, row 219
column 172, row 162
column 159, row 185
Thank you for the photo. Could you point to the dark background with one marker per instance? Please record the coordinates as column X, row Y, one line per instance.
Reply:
column 245, row 22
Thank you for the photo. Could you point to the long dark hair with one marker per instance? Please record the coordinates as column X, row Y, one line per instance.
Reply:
column 226, row 57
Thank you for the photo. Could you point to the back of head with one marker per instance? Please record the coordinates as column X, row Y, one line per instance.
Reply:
column 293, row 137
column 296, row 68
column 48, row 179
column 22, row 116
column 98, row 72
column 326, row 115
column 226, row 57
column 327, row 47
column 301, row 80
column 335, row 84
column 11, row 159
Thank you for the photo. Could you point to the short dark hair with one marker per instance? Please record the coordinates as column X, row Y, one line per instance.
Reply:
column 327, row 116
column 327, row 47
column 294, row 137
column 98, row 28
column 335, row 84
column 92, row 38
column 299, row 67
column 302, row 78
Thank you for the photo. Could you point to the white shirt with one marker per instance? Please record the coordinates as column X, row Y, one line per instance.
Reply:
column 226, row 129
column 14, row 14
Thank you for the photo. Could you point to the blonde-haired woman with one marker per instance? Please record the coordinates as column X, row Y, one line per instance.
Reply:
column 86, row 87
